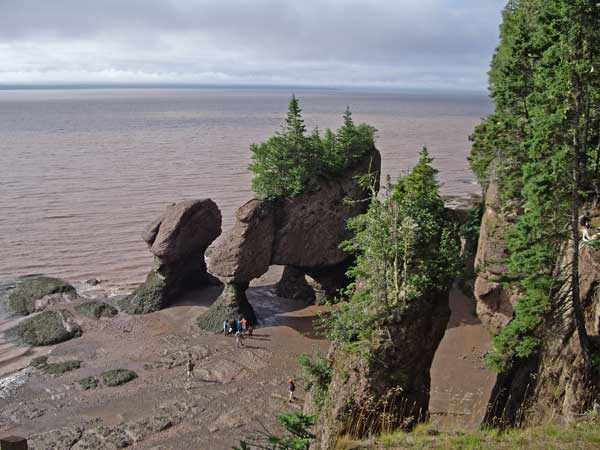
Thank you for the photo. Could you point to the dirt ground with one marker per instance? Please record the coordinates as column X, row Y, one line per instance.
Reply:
column 234, row 393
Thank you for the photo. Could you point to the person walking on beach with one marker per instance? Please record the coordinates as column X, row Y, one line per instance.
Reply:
column 244, row 323
column 250, row 330
column 226, row 328
column 239, row 338
column 190, row 370
column 291, row 385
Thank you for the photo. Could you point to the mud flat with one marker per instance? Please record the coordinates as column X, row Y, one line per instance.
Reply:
column 233, row 391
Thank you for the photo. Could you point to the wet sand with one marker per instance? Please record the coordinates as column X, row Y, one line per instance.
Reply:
column 234, row 390
column 461, row 383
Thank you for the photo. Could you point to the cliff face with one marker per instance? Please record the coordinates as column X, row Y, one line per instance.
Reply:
column 557, row 380
column 389, row 388
column 495, row 301
column 303, row 232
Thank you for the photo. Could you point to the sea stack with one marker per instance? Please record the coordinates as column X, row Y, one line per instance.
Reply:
column 178, row 240
column 303, row 232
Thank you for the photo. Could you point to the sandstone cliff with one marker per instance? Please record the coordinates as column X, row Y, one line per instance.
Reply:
column 557, row 380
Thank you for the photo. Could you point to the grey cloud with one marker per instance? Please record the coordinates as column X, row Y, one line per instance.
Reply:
column 404, row 40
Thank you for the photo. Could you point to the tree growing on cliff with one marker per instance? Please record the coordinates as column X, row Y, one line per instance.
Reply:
column 404, row 246
column 291, row 162
column 542, row 142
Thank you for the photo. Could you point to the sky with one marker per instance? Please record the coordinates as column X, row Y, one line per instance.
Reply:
column 404, row 44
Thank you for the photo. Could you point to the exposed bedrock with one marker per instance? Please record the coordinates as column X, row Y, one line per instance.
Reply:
column 178, row 240
column 389, row 388
column 557, row 380
column 495, row 301
column 303, row 232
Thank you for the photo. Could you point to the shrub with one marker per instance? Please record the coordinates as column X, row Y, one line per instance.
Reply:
column 316, row 376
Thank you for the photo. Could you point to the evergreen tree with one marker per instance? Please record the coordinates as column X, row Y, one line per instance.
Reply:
column 291, row 162
column 541, row 139
column 404, row 246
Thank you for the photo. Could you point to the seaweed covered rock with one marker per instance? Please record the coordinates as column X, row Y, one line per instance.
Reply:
column 95, row 309
column 178, row 240
column 117, row 377
column 47, row 328
column 231, row 304
column 35, row 293
column 58, row 368
column 304, row 232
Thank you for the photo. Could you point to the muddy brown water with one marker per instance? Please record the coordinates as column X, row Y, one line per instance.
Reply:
column 83, row 171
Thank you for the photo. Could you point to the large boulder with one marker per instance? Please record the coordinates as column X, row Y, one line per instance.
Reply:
column 36, row 293
column 304, row 231
column 178, row 240
column 47, row 328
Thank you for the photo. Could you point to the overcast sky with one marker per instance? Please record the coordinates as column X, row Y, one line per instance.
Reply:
column 423, row 44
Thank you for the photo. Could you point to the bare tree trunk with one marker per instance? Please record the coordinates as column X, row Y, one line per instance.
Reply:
column 575, row 205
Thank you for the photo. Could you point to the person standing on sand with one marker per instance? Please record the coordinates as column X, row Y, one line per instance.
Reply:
column 244, row 323
column 190, row 370
column 239, row 338
column 291, row 385
column 250, row 330
column 225, row 327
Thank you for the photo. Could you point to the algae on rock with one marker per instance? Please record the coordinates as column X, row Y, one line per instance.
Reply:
column 35, row 293
column 47, row 328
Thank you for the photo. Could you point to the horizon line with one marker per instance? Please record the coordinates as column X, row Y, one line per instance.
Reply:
column 142, row 85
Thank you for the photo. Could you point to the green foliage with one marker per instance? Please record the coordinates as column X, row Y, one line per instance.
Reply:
column 316, row 376
column 290, row 162
column 541, row 143
column 404, row 247
column 297, row 435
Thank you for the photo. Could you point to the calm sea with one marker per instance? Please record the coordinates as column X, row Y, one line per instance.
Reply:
column 83, row 171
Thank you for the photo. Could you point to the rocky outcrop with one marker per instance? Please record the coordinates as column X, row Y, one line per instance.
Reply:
column 47, row 328
column 36, row 293
column 178, row 240
column 556, row 381
column 495, row 301
column 304, row 232
column 389, row 388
